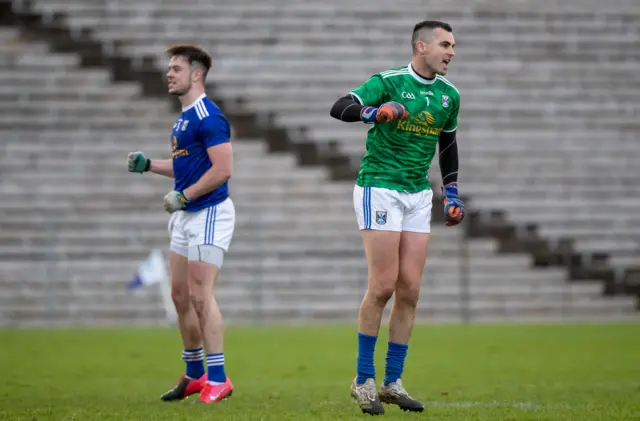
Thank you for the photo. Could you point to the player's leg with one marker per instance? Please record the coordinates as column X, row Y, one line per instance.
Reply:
column 413, row 251
column 414, row 243
column 380, row 220
column 382, row 254
column 213, row 230
column 193, row 379
column 193, row 353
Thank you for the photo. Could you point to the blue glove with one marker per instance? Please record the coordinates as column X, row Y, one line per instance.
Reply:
column 453, row 206
column 175, row 201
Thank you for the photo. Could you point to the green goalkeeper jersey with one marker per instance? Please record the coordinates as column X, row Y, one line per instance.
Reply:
column 399, row 153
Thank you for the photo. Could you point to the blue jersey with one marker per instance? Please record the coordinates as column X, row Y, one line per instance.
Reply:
column 200, row 126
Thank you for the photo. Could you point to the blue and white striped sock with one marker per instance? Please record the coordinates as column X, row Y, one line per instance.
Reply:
column 195, row 362
column 215, row 368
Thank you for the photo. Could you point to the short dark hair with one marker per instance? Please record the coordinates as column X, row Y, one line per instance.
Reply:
column 193, row 54
column 429, row 25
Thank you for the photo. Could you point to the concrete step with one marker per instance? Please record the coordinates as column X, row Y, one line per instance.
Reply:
column 59, row 77
column 237, row 292
column 301, row 255
column 230, row 21
column 77, row 298
column 399, row 10
column 624, row 205
column 478, row 189
column 281, row 274
column 245, row 242
column 116, row 173
column 249, row 247
column 158, row 221
column 302, row 189
column 614, row 231
column 81, row 288
column 33, row 91
column 26, row 315
column 625, row 261
column 58, row 154
column 97, row 210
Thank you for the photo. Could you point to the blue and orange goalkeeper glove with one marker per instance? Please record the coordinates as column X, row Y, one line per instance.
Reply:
column 389, row 111
column 453, row 206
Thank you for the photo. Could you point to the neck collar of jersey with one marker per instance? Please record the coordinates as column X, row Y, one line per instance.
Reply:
column 194, row 102
column 420, row 78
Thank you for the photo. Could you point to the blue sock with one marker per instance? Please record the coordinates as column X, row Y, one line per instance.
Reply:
column 366, row 349
column 396, row 354
column 195, row 362
column 215, row 368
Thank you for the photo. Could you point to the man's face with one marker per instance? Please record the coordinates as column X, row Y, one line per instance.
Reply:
column 179, row 76
column 437, row 52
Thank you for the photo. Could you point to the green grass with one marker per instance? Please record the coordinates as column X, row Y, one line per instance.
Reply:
column 511, row 372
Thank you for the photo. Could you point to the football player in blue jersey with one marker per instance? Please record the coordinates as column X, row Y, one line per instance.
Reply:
column 201, row 224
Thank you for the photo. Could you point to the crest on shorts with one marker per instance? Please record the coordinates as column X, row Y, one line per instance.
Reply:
column 445, row 101
column 381, row 217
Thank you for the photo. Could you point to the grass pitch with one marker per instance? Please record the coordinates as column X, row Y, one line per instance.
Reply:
column 477, row 372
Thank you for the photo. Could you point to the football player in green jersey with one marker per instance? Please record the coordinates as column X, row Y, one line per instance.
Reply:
column 413, row 109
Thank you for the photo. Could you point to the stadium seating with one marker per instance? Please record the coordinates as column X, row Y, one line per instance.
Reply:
column 83, row 223
column 535, row 96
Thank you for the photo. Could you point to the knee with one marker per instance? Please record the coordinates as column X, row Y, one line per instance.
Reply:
column 197, row 295
column 408, row 292
column 381, row 291
column 197, row 301
column 181, row 298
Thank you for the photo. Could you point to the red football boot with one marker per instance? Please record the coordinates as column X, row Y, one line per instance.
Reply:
column 215, row 393
column 184, row 388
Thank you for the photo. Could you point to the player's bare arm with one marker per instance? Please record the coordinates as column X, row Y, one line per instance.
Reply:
column 221, row 157
column 139, row 163
column 162, row 167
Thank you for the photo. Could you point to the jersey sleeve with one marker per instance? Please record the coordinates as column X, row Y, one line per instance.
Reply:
column 214, row 130
column 452, row 123
column 371, row 92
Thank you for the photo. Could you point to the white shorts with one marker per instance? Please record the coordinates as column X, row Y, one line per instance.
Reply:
column 389, row 210
column 213, row 225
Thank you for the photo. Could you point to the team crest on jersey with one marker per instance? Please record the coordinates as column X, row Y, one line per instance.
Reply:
column 445, row 101
column 184, row 125
column 381, row 217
